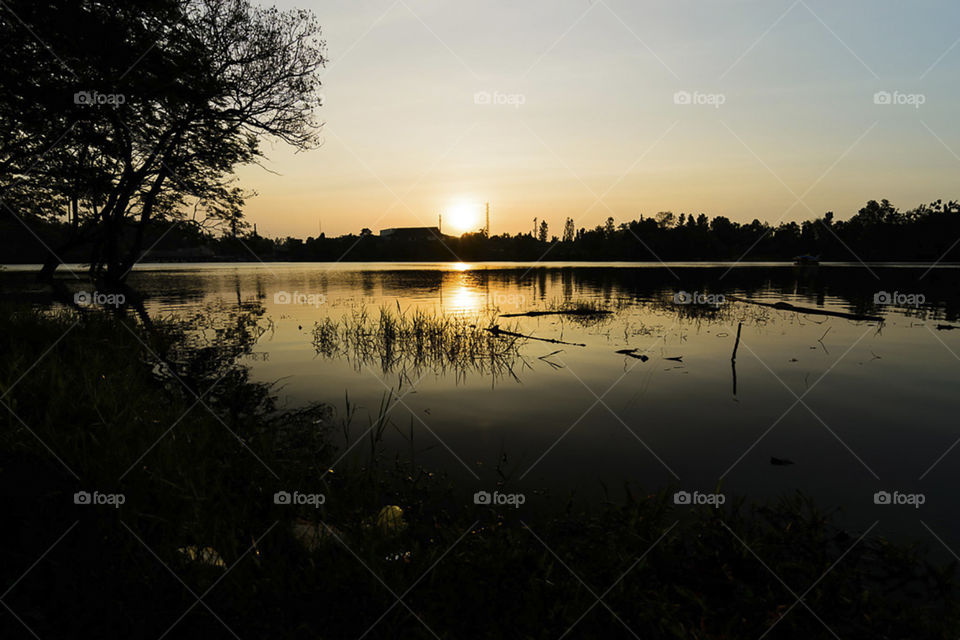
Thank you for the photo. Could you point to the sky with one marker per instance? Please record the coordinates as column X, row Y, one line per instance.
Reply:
column 778, row 110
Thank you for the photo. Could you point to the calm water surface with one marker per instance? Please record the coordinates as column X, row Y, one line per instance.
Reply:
column 858, row 406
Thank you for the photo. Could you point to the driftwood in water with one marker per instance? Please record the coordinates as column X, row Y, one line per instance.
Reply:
column 786, row 306
column 633, row 354
column 559, row 312
column 497, row 331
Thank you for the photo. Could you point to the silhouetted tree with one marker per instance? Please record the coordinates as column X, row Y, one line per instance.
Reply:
column 665, row 219
column 144, row 110
column 608, row 228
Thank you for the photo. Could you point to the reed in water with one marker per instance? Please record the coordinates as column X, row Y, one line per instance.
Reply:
column 416, row 339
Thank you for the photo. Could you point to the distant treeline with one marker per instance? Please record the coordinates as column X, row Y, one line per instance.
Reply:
column 877, row 232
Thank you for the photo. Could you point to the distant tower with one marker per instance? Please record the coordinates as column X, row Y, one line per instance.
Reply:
column 487, row 228
column 440, row 222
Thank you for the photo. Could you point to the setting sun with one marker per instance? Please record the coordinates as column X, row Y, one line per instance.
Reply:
column 463, row 217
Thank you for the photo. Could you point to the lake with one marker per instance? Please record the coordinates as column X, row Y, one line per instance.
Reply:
column 858, row 406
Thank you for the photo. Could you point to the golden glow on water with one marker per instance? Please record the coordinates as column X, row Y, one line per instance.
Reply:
column 464, row 299
column 682, row 391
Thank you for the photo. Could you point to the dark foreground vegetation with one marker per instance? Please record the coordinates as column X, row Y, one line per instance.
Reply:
column 199, row 548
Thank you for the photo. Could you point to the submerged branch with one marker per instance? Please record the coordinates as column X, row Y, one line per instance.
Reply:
column 497, row 331
column 786, row 306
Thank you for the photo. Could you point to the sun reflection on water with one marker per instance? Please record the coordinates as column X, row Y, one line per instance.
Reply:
column 464, row 299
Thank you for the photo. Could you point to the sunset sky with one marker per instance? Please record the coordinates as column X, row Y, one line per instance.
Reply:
column 583, row 118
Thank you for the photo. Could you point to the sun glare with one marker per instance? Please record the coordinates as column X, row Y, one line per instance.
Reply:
column 462, row 217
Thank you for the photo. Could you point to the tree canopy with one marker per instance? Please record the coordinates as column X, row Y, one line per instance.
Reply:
column 117, row 115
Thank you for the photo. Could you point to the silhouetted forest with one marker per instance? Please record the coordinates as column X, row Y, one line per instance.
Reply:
column 877, row 232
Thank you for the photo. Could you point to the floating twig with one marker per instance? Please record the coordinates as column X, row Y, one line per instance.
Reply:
column 497, row 331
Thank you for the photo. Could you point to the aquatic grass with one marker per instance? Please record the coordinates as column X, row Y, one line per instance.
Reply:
column 576, row 308
column 416, row 339
column 581, row 307
column 727, row 312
